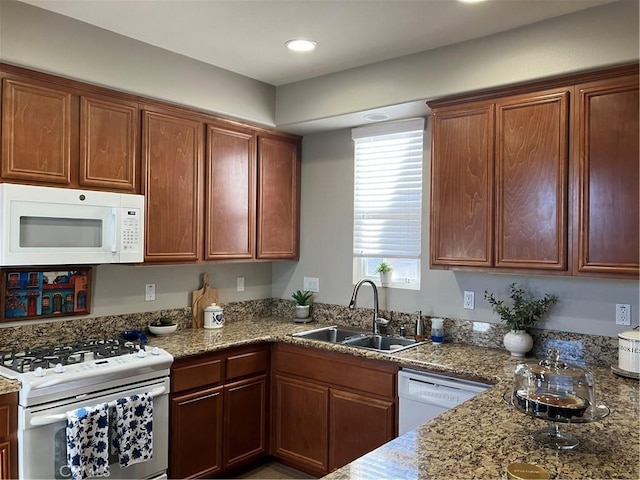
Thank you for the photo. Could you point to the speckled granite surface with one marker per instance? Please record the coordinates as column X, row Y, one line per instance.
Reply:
column 478, row 439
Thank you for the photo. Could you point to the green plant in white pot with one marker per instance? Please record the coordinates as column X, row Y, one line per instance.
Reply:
column 303, row 301
column 386, row 271
column 523, row 313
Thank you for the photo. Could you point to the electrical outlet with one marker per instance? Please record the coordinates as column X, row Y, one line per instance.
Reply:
column 150, row 292
column 469, row 300
column 240, row 284
column 311, row 284
column 623, row 314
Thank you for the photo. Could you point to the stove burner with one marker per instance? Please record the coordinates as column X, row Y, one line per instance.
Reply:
column 69, row 354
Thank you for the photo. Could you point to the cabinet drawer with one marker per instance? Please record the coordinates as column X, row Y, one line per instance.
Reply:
column 336, row 369
column 204, row 372
column 247, row 363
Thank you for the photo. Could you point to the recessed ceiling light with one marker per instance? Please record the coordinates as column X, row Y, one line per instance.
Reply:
column 299, row 45
column 376, row 117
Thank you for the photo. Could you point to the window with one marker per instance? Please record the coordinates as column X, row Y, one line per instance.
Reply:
column 387, row 209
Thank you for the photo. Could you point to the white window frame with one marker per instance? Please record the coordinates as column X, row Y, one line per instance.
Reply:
column 404, row 142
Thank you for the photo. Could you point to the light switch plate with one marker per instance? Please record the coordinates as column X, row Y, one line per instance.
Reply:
column 150, row 292
column 240, row 284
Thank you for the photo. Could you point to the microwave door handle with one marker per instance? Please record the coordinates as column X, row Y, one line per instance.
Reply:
column 49, row 419
column 114, row 244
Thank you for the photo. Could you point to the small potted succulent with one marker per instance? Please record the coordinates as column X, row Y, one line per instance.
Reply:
column 303, row 301
column 524, row 312
column 385, row 270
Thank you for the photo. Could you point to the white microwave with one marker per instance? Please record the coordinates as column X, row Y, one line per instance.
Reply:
column 59, row 226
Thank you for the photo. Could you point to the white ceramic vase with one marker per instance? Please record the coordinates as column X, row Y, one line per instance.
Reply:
column 302, row 311
column 518, row 342
column 385, row 278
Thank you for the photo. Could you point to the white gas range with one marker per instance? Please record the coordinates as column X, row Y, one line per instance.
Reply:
column 62, row 378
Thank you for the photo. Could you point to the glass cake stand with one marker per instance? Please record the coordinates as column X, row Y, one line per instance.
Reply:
column 552, row 436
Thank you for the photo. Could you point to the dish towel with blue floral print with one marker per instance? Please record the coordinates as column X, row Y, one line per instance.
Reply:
column 88, row 442
column 132, row 439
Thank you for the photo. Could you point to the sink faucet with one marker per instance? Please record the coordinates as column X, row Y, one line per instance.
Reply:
column 376, row 319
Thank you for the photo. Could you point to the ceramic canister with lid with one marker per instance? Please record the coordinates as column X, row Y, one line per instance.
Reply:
column 629, row 351
column 213, row 316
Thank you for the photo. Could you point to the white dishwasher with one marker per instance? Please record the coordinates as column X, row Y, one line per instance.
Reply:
column 424, row 396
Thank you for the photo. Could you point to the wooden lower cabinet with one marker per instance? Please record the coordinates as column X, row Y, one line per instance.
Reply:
column 196, row 434
column 328, row 408
column 218, row 411
column 371, row 419
column 245, row 421
column 301, row 417
column 8, row 436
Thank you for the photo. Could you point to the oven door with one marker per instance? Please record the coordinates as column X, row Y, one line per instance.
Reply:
column 42, row 446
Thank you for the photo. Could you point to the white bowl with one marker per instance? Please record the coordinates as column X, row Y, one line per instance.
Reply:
column 161, row 330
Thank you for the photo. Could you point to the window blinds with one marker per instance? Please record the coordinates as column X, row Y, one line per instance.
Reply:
column 388, row 189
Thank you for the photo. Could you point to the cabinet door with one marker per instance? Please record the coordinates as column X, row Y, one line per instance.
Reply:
column 532, row 181
column 172, row 154
column 462, row 186
column 278, row 198
column 230, row 193
column 8, row 436
column 109, row 134
column 608, row 177
column 196, row 434
column 36, row 132
column 300, row 423
column 245, row 405
column 358, row 425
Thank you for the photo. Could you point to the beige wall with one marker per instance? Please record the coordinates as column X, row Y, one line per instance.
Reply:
column 46, row 41
column 590, row 38
column 586, row 305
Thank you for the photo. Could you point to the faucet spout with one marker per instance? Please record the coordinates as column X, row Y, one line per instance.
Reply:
column 354, row 297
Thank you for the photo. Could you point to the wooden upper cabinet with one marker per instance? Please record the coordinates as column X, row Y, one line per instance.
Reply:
column 37, row 129
column 278, row 214
column 608, row 177
column 172, row 164
column 462, row 186
column 109, row 132
column 230, row 193
column 532, row 181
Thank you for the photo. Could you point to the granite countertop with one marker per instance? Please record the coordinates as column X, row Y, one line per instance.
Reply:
column 477, row 439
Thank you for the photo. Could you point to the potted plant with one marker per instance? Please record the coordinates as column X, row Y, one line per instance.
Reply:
column 524, row 312
column 303, row 302
column 384, row 269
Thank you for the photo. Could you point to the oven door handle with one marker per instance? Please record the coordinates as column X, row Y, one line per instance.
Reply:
column 49, row 419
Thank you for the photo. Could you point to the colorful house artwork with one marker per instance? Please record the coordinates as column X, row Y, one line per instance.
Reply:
column 38, row 293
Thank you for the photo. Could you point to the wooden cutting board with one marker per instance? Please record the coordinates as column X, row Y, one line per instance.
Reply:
column 201, row 299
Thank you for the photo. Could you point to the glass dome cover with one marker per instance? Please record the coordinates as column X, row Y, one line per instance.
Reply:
column 554, row 390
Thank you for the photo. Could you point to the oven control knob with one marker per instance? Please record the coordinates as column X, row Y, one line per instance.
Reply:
column 155, row 351
column 39, row 372
column 141, row 353
column 58, row 368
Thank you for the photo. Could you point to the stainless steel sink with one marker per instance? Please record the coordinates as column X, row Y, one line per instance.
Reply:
column 359, row 339
column 382, row 343
column 331, row 334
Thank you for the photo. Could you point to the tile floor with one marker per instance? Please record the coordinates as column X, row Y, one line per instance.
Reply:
column 274, row 470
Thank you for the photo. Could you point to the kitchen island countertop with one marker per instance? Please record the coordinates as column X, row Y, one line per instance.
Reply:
column 477, row 439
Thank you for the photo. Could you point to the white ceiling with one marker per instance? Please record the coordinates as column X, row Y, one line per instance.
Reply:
column 248, row 36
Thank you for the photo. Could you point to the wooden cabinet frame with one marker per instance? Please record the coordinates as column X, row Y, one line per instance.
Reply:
column 571, row 149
